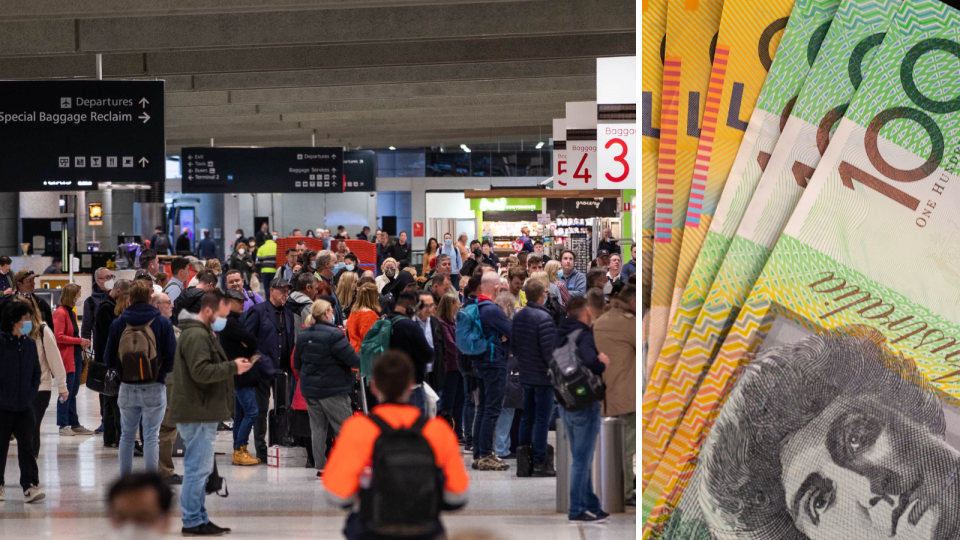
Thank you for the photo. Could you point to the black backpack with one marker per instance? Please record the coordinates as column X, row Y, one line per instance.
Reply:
column 405, row 491
column 575, row 386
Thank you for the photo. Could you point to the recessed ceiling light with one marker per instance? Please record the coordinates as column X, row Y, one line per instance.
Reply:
column 539, row 145
column 392, row 147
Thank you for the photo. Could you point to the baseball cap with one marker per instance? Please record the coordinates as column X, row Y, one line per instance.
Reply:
column 279, row 283
column 235, row 295
column 142, row 274
column 22, row 275
column 603, row 253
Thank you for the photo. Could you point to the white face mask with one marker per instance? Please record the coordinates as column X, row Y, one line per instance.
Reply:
column 349, row 267
column 108, row 285
column 239, row 236
column 241, row 251
column 274, row 237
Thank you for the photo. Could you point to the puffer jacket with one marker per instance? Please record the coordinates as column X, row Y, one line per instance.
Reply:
column 325, row 360
column 535, row 350
column 20, row 366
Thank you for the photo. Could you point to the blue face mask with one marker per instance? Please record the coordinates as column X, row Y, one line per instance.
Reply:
column 27, row 327
column 448, row 242
column 349, row 267
column 219, row 324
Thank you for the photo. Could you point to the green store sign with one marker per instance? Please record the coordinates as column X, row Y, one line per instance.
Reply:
column 505, row 205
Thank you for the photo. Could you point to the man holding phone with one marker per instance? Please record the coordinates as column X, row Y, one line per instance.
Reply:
column 238, row 342
column 203, row 396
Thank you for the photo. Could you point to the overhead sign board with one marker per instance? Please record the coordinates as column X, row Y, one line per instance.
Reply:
column 581, row 137
column 277, row 170
column 617, row 123
column 72, row 135
column 360, row 170
column 94, row 214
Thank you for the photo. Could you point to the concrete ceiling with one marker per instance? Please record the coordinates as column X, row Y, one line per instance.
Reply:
column 361, row 74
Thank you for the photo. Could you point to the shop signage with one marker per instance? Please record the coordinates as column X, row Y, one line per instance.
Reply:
column 262, row 170
column 584, row 208
column 581, row 147
column 506, row 205
column 71, row 135
column 544, row 219
column 95, row 214
column 617, row 123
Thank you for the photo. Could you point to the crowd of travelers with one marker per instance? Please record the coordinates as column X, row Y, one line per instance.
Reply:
column 447, row 360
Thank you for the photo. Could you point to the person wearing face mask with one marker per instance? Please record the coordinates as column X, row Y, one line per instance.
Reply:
column 102, row 277
column 267, row 257
column 203, row 396
column 389, row 269
column 19, row 385
column 242, row 260
column 350, row 264
column 142, row 395
column 139, row 507
column 238, row 342
column 408, row 336
column 456, row 261
column 327, row 364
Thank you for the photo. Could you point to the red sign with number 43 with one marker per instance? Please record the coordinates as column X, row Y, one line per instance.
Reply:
column 617, row 156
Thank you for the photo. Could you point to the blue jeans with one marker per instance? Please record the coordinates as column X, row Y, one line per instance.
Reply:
column 451, row 400
column 245, row 414
column 138, row 402
column 469, row 408
column 535, row 420
column 198, row 439
column 67, row 411
column 502, row 446
column 492, row 383
column 419, row 399
column 582, row 428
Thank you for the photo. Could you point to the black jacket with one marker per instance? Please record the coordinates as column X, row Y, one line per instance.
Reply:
column 325, row 360
column 439, row 372
column 534, row 325
column 262, row 322
column 90, row 310
column 20, row 366
column 384, row 253
column 103, row 318
column 585, row 344
column 238, row 342
column 188, row 300
column 402, row 253
column 45, row 312
column 408, row 337
column 183, row 245
column 612, row 247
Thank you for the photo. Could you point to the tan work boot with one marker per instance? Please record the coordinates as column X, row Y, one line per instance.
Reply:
column 242, row 458
column 247, row 453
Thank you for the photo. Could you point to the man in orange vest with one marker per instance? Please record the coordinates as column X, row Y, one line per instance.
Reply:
column 359, row 473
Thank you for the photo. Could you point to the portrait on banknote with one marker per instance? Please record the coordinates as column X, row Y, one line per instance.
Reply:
column 833, row 436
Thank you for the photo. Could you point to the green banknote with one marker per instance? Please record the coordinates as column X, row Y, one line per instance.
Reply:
column 839, row 381
column 808, row 24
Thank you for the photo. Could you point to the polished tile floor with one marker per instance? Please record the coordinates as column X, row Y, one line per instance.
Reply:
column 264, row 502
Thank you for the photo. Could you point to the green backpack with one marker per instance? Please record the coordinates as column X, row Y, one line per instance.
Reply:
column 374, row 344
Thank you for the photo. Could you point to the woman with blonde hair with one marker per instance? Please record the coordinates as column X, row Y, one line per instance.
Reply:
column 542, row 277
column 552, row 268
column 389, row 270
column 365, row 311
column 51, row 367
column 326, row 363
column 346, row 291
column 71, row 345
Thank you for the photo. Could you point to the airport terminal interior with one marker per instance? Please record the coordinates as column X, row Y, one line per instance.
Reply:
column 237, row 143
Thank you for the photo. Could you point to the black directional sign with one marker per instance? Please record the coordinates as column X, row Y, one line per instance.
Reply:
column 360, row 169
column 71, row 135
column 275, row 170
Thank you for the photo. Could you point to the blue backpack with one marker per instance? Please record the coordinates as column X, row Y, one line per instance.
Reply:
column 470, row 338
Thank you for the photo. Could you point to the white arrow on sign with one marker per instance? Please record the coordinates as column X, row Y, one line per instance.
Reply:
column 144, row 117
column 144, row 161
column 144, row 102
column 190, row 177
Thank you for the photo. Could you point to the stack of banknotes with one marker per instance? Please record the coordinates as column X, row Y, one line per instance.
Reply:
column 801, row 224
